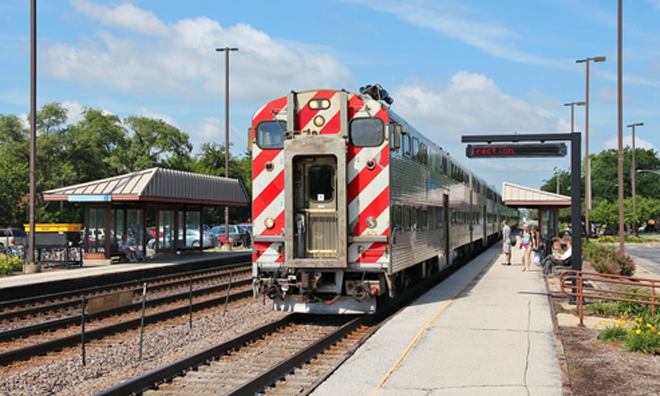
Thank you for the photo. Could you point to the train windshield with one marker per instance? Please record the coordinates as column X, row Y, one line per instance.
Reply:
column 270, row 134
column 367, row 132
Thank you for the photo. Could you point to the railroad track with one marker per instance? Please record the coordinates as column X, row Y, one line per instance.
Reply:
column 31, row 306
column 22, row 349
column 289, row 356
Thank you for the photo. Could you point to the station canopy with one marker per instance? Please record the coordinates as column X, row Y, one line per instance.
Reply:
column 156, row 185
column 524, row 197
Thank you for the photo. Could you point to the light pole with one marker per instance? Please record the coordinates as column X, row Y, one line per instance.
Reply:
column 587, row 161
column 634, row 176
column 226, row 50
column 573, row 104
column 619, row 81
column 31, row 266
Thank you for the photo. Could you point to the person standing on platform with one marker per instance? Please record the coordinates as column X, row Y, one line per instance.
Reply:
column 526, row 246
column 506, row 242
column 537, row 245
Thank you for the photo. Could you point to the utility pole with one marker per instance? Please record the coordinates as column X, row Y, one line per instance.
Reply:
column 619, row 80
column 634, row 177
column 226, row 51
column 30, row 265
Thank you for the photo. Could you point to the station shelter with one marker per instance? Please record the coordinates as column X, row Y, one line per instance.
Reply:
column 547, row 203
column 118, row 206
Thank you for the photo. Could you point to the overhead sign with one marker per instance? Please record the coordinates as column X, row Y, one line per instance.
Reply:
column 90, row 198
column 516, row 150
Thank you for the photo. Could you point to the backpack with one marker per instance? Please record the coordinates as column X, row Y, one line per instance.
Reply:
column 512, row 240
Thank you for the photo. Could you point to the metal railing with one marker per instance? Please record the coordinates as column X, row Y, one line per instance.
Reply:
column 583, row 285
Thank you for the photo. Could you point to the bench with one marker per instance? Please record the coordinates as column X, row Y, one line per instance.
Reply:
column 118, row 256
column 187, row 249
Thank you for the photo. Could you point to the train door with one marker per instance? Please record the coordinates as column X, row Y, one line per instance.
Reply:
column 315, row 207
column 445, row 227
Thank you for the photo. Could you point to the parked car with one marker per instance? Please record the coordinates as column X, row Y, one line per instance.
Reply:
column 12, row 236
column 234, row 234
column 192, row 240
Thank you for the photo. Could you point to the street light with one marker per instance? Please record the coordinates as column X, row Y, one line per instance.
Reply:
column 619, row 83
column 587, row 161
column 634, row 181
column 573, row 104
column 226, row 50
column 31, row 266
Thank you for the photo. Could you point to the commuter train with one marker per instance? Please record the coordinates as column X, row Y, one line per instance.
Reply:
column 351, row 203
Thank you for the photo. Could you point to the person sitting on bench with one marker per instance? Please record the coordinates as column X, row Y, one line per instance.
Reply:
column 124, row 247
column 551, row 260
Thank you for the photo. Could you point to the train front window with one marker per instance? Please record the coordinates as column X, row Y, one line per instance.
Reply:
column 270, row 134
column 366, row 132
column 321, row 183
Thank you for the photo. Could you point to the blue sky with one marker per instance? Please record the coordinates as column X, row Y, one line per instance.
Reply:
column 453, row 67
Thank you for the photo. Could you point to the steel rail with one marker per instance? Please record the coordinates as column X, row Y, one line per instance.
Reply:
column 72, row 340
column 136, row 291
column 74, row 320
column 77, row 292
column 166, row 373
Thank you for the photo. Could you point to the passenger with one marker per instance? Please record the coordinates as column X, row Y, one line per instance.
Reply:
column 537, row 246
column 526, row 246
column 506, row 242
column 551, row 260
column 124, row 247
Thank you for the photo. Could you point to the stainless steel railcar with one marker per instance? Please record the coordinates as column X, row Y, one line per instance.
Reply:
column 351, row 203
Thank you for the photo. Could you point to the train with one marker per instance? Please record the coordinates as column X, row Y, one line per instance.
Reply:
column 351, row 204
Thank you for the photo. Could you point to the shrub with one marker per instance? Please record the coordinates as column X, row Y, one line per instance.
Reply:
column 10, row 264
column 606, row 260
column 633, row 308
column 643, row 337
column 626, row 264
column 606, row 239
column 614, row 333
column 604, row 308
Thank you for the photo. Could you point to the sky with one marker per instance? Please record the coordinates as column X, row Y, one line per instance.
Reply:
column 453, row 67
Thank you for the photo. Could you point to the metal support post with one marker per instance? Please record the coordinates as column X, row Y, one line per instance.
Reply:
column 576, row 200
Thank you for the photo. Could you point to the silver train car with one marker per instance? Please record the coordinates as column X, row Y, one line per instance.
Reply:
column 351, row 204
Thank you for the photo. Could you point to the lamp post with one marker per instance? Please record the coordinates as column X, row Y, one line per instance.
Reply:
column 634, row 177
column 573, row 104
column 587, row 160
column 30, row 265
column 226, row 50
column 619, row 81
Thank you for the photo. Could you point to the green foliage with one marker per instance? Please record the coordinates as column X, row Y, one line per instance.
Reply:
column 98, row 146
column 643, row 337
column 632, row 308
column 605, row 259
column 602, row 308
column 614, row 333
column 10, row 264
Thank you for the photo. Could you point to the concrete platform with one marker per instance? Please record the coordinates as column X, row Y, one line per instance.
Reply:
column 51, row 280
column 485, row 330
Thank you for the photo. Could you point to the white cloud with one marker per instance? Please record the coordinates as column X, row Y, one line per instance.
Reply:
column 491, row 38
column 472, row 104
column 180, row 58
column 627, row 142
column 144, row 112
column 124, row 15
column 74, row 111
column 210, row 129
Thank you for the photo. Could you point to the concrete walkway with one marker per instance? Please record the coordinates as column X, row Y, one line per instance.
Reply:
column 486, row 330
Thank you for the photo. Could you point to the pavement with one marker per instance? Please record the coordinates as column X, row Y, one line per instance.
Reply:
column 51, row 275
column 486, row 330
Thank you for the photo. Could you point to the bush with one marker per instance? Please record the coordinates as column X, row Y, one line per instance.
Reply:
column 10, row 264
column 633, row 308
column 614, row 333
column 643, row 337
column 626, row 264
column 606, row 260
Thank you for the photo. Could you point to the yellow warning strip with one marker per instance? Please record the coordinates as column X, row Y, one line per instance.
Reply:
column 428, row 324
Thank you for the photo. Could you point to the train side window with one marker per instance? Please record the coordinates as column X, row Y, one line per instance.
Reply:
column 423, row 156
column 366, row 132
column 414, row 225
column 405, row 144
column 415, row 150
column 406, row 218
column 444, row 166
column 270, row 134
column 423, row 220
column 397, row 217
column 321, row 183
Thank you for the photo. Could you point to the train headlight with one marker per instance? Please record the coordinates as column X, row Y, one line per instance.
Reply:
column 371, row 222
column 319, row 104
column 319, row 121
column 269, row 223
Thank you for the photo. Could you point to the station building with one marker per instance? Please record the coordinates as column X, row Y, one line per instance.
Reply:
column 119, row 206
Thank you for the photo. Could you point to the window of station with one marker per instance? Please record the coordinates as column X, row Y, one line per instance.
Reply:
column 366, row 132
column 321, row 183
column 270, row 134
column 97, row 232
